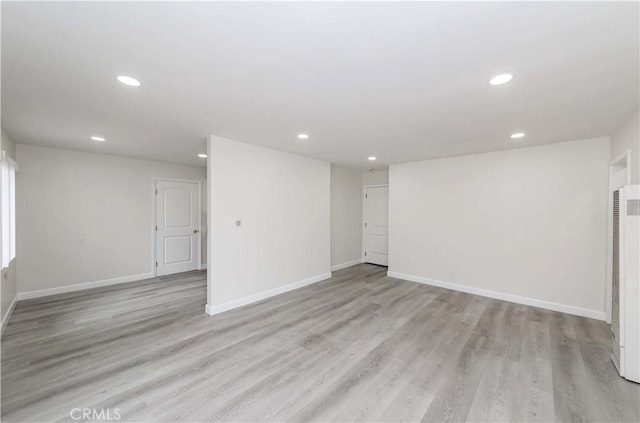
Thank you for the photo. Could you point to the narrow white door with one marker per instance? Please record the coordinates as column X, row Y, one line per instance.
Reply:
column 376, row 227
column 177, row 226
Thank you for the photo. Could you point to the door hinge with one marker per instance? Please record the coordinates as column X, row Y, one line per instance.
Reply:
column 156, row 192
column 365, row 224
column 366, row 196
column 156, row 264
column 365, row 253
column 156, row 227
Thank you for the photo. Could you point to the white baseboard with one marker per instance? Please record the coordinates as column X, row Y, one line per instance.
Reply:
column 82, row 286
column 217, row 309
column 563, row 308
column 203, row 266
column 345, row 265
column 8, row 313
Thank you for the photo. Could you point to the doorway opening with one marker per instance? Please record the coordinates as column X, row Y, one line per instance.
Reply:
column 177, row 227
column 375, row 244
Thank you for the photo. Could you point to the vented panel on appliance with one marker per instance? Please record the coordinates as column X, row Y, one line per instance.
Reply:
column 615, row 285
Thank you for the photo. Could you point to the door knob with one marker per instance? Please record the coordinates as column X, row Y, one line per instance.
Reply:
column 195, row 231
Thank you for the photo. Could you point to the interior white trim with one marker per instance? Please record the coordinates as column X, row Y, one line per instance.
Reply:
column 7, row 315
column 203, row 266
column 346, row 264
column 563, row 308
column 82, row 286
column 623, row 160
column 221, row 308
column 5, row 158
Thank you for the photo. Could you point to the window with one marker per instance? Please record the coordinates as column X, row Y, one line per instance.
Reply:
column 7, row 210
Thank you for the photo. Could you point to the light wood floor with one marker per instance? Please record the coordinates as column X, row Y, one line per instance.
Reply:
column 358, row 347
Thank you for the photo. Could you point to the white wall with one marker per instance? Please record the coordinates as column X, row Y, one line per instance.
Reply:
column 376, row 177
column 8, row 145
column 528, row 222
column 283, row 202
column 625, row 138
column 346, row 217
column 85, row 217
column 8, row 276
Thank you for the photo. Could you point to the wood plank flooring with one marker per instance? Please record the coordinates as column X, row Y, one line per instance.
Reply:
column 359, row 347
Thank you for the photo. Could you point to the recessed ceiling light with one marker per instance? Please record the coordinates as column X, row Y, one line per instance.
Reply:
column 517, row 135
column 303, row 136
column 503, row 78
column 127, row 80
column 202, row 156
column 372, row 158
column 97, row 138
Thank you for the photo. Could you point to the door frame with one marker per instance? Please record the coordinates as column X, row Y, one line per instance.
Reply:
column 154, row 223
column 363, row 245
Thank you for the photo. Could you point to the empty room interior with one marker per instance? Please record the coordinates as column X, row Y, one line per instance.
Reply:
column 320, row 211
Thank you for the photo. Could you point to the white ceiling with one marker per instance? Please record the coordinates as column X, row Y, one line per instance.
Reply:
column 401, row 81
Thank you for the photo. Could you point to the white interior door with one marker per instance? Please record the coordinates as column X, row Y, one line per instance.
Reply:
column 376, row 227
column 177, row 226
